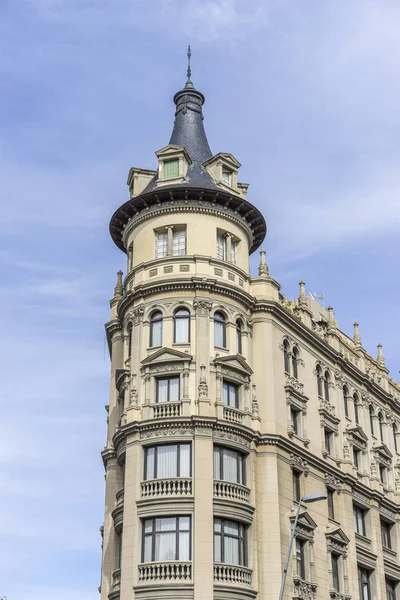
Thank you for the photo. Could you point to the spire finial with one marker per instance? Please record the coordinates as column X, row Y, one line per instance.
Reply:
column 263, row 267
column 380, row 359
column 119, row 289
column 356, row 335
column 189, row 70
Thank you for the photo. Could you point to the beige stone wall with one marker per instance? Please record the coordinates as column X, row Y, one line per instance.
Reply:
column 260, row 428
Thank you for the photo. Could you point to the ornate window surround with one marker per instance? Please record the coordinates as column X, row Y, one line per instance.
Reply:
column 304, row 589
column 337, row 542
column 295, row 398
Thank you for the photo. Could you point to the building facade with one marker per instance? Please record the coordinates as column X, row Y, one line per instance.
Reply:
column 229, row 402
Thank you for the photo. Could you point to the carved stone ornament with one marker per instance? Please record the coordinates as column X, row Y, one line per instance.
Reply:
column 203, row 387
column 137, row 314
column 235, row 375
column 299, row 464
column 294, row 384
column 332, row 482
column 304, row 589
column 320, row 327
column 202, row 307
column 254, row 402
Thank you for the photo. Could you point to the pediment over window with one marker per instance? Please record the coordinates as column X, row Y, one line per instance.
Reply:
column 336, row 534
column 166, row 355
column 305, row 525
column 234, row 361
column 121, row 376
column 171, row 151
column 357, row 434
column 383, row 451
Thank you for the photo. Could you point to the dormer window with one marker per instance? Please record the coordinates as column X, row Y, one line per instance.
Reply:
column 227, row 177
column 171, row 169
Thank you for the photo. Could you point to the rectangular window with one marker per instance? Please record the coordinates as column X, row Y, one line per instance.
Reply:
column 167, row 538
column 391, row 589
column 227, row 177
column 295, row 420
column 230, row 543
column 229, row 465
column 234, row 252
column 179, row 242
column 296, row 485
column 166, row 461
column 331, row 505
column 364, row 584
column 383, row 474
column 171, row 169
column 328, row 441
column 335, row 571
column 385, row 534
column 161, row 244
column 357, row 458
column 119, row 550
column 221, row 246
column 359, row 519
column 300, row 558
column 230, row 394
column 167, row 389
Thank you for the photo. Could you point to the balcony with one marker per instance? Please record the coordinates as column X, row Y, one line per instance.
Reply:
column 119, row 498
column 163, row 410
column 233, row 415
column 231, row 491
column 165, row 572
column 232, row 574
column 178, row 486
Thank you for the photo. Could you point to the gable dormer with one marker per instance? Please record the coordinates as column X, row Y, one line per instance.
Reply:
column 173, row 163
column 224, row 168
column 138, row 179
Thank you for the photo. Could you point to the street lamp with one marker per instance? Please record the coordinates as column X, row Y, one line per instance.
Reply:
column 306, row 500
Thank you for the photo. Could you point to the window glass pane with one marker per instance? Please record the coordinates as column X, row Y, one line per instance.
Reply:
column 148, row 526
column 217, row 525
column 174, row 389
column 231, row 550
column 179, row 242
column 232, row 395
column 217, row 548
column 165, row 546
column 225, row 393
column 161, row 244
column 227, row 176
column 184, row 546
column 156, row 329
column 185, row 460
column 166, row 524
column 147, row 549
column 182, row 321
column 167, row 461
column 230, row 465
column 217, row 464
column 221, row 247
column 162, row 390
column 231, row 528
column 219, row 334
column 171, row 169
column 184, row 523
column 150, row 463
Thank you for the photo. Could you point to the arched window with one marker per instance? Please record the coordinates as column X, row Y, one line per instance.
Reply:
column 129, row 334
column 371, row 418
column 380, row 421
column 156, row 323
column 286, row 356
column 346, row 400
column 327, row 378
column 239, row 336
column 356, row 415
column 295, row 356
column 395, row 436
column 219, row 330
column 319, row 381
column 182, row 326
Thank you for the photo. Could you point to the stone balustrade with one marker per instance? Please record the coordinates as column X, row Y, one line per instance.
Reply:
column 233, row 415
column 168, row 571
column 232, row 574
column 162, row 410
column 116, row 579
column 231, row 491
column 119, row 498
column 178, row 486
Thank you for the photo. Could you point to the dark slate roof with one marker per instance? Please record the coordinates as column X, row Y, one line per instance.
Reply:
column 189, row 132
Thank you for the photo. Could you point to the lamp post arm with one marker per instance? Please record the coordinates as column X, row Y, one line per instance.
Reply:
column 285, row 568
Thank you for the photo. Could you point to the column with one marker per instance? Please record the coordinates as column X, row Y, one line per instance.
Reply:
column 203, row 402
column 170, row 239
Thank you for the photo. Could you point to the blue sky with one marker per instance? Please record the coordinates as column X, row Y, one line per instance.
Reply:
column 305, row 94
